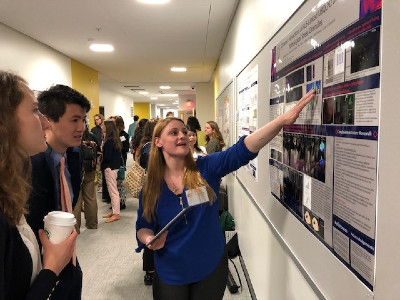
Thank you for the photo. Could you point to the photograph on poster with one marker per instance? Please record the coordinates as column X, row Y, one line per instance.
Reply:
column 316, row 86
column 339, row 110
column 314, row 222
column 305, row 153
column 275, row 154
column 369, row 6
column 293, row 190
column 364, row 53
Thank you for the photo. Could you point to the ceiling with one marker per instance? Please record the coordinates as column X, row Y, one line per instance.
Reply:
column 148, row 39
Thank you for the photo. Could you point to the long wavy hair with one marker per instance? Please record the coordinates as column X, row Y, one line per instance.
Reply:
column 148, row 130
column 112, row 132
column 119, row 122
column 217, row 134
column 15, row 168
column 192, row 178
column 139, row 132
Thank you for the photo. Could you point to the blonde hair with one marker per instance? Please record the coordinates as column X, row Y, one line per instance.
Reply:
column 192, row 178
column 217, row 134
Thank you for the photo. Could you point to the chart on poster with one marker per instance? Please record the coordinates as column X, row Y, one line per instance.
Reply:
column 323, row 168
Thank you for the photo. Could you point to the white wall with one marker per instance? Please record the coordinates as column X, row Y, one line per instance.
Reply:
column 255, row 22
column 388, row 205
column 115, row 103
column 40, row 65
column 205, row 103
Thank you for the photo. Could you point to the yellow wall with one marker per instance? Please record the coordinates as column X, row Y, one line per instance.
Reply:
column 86, row 81
column 142, row 109
column 216, row 82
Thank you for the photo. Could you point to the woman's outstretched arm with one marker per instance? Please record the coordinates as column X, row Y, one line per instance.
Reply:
column 259, row 138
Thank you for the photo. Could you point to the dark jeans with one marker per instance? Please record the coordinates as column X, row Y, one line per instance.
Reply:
column 210, row 288
column 105, row 194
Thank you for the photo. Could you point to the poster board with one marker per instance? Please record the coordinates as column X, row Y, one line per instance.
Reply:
column 327, row 236
column 224, row 113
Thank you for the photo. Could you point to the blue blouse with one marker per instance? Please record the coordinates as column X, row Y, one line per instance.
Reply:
column 195, row 243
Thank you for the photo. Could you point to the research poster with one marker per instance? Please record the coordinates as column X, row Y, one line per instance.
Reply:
column 323, row 168
column 223, row 114
column 247, row 110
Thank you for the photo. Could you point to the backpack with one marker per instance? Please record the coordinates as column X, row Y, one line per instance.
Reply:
column 227, row 221
column 89, row 155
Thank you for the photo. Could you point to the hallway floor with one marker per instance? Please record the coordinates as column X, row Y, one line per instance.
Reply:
column 111, row 267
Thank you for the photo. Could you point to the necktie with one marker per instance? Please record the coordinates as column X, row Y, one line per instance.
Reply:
column 66, row 203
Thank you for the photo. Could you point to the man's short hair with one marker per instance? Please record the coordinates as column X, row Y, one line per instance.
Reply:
column 135, row 118
column 53, row 102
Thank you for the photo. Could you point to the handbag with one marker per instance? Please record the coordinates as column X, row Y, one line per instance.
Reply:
column 134, row 179
column 121, row 171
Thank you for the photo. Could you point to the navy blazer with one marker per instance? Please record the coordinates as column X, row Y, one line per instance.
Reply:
column 45, row 198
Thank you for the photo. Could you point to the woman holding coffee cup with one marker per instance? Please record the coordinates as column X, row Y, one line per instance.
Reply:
column 22, row 128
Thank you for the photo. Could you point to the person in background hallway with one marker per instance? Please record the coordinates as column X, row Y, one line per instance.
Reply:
column 214, row 140
column 96, row 130
column 143, row 159
column 124, row 137
column 190, row 261
column 22, row 126
column 169, row 114
column 193, row 123
column 110, row 165
column 193, row 145
column 131, row 128
column 119, row 122
column 66, row 110
column 138, row 136
column 105, row 194
column 87, row 197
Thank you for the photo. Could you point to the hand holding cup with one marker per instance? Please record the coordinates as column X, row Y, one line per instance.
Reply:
column 58, row 239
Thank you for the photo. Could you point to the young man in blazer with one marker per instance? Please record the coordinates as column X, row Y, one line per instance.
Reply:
column 66, row 111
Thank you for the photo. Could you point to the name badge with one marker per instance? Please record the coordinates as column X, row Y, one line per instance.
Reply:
column 197, row 197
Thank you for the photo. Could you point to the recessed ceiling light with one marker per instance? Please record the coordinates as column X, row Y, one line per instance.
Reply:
column 165, row 87
column 154, row 1
column 170, row 95
column 101, row 47
column 143, row 93
column 178, row 69
column 153, row 98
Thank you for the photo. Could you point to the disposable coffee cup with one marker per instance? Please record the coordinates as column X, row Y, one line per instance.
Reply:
column 58, row 225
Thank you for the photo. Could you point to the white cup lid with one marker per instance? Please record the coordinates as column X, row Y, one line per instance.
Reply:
column 60, row 218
